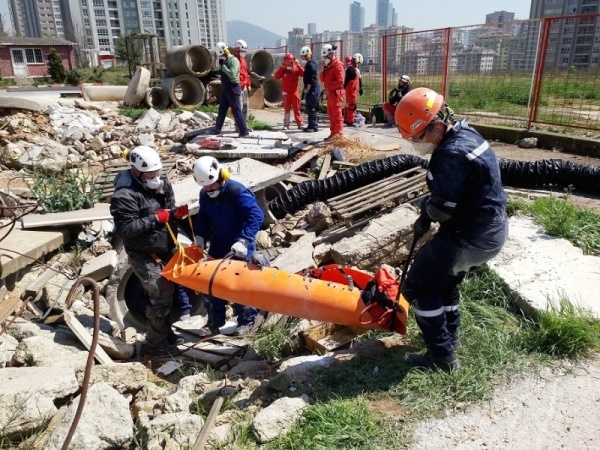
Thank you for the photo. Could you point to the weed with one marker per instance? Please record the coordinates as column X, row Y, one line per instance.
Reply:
column 67, row 191
column 132, row 113
column 272, row 341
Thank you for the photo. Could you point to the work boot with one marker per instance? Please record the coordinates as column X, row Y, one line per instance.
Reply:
column 213, row 131
column 389, row 125
column 429, row 361
column 243, row 135
column 310, row 130
column 175, row 339
column 243, row 330
column 455, row 341
column 210, row 330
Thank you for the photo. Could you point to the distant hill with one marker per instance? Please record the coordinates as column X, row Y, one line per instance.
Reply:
column 253, row 35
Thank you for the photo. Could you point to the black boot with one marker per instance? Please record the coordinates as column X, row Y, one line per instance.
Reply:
column 429, row 361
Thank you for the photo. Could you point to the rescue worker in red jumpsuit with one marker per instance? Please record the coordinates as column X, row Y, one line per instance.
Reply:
column 289, row 73
column 351, row 87
column 332, row 77
column 239, row 50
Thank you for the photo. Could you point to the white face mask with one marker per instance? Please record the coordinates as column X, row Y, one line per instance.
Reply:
column 153, row 183
column 213, row 194
column 424, row 148
column 326, row 61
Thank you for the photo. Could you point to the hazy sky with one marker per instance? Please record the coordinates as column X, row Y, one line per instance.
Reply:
column 280, row 16
column 334, row 15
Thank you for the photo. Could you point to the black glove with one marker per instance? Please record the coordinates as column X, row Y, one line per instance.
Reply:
column 303, row 94
column 421, row 226
column 221, row 61
column 360, row 91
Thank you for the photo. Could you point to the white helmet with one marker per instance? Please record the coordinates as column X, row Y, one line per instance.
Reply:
column 305, row 51
column 358, row 58
column 206, row 170
column 144, row 159
column 405, row 78
column 241, row 45
column 326, row 49
column 220, row 48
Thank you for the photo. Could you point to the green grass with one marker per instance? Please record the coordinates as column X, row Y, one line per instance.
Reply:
column 271, row 342
column 559, row 217
column 132, row 113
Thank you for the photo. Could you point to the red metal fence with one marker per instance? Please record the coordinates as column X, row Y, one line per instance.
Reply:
column 518, row 73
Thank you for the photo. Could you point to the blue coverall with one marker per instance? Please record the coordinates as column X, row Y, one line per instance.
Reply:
column 312, row 95
column 223, row 221
column 468, row 200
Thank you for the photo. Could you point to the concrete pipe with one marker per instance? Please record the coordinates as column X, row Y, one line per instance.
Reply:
column 104, row 93
column 213, row 92
column 157, row 97
column 191, row 60
column 260, row 62
column 184, row 90
column 272, row 92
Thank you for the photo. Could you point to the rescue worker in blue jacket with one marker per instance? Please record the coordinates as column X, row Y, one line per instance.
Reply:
column 311, row 90
column 229, row 219
column 231, row 92
column 142, row 204
column 467, row 199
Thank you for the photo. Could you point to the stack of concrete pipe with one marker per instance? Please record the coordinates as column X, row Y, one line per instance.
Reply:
column 262, row 65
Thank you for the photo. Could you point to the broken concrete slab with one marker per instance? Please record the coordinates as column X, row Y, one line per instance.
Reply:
column 20, row 103
column 148, row 121
column 279, row 417
column 540, row 270
column 31, row 245
column 100, row 211
column 246, row 149
column 137, row 88
column 298, row 256
column 101, row 266
column 41, row 351
column 253, row 174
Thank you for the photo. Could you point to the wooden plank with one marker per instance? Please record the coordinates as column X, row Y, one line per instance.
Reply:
column 209, row 423
column 34, row 288
column 85, row 337
column 214, row 348
column 295, row 178
column 8, row 306
column 379, row 202
column 343, row 164
column 100, row 211
column 211, row 359
column 325, row 167
column 303, row 160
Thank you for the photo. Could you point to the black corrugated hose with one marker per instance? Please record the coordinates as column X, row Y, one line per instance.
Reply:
column 583, row 178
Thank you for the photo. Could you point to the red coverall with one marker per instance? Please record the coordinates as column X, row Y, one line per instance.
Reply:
column 332, row 78
column 351, row 86
column 289, row 86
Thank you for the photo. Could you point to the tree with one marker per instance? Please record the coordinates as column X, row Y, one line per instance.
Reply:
column 56, row 70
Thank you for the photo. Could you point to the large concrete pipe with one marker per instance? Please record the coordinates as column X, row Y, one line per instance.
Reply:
column 272, row 92
column 184, row 90
column 213, row 92
column 157, row 97
column 191, row 60
column 260, row 62
column 104, row 93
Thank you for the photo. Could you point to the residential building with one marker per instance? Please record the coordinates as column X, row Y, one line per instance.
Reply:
column 312, row 28
column 357, row 17
column 497, row 18
column 573, row 42
column 37, row 18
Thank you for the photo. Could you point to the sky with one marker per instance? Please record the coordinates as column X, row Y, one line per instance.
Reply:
column 280, row 16
column 334, row 15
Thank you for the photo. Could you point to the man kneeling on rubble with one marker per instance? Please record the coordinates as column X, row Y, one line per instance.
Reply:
column 142, row 205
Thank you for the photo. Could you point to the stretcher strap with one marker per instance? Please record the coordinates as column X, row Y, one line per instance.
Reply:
column 180, row 254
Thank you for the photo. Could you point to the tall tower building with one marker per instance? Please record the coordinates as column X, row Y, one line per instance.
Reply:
column 357, row 17
column 311, row 29
column 37, row 18
column 385, row 13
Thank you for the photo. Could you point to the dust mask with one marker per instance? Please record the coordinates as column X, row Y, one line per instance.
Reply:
column 153, row 183
column 213, row 194
column 424, row 148
column 326, row 61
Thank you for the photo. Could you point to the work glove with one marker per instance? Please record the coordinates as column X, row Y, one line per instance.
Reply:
column 180, row 212
column 421, row 226
column 259, row 259
column 240, row 248
column 162, row 215
column 200, row 241
column 360, row 91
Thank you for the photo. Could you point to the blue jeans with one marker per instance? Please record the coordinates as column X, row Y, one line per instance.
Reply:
column 439, row 267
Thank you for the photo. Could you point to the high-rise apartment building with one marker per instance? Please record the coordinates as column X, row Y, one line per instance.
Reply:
column 96, row 25
column 385, row 13
column 572, row 42
column 357, row 17
column 312, row 28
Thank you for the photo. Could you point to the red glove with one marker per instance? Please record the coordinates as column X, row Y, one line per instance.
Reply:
column 162, row 215
column 180, row 212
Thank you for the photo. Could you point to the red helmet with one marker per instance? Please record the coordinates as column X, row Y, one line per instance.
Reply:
column 289, row 58
column 348, row 60
column 416, row 110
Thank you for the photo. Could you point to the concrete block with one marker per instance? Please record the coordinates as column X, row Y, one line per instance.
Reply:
column 138, row 86
column 101, row 266
column 299, row 256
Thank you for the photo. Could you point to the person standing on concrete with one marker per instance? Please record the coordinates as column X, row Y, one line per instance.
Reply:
column 396, row 94
column 229, row 219
column 142, row 204
column 332, row 77
column 231, row 91
column 312, row 89
column 240, row 49
column 351, row 88
column 289, row 73
column 467, row 199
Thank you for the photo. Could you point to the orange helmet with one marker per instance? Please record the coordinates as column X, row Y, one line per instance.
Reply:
column 416, row 110
column 288, row 58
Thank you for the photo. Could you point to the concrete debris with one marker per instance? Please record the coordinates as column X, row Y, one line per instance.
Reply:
column 278, row 418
